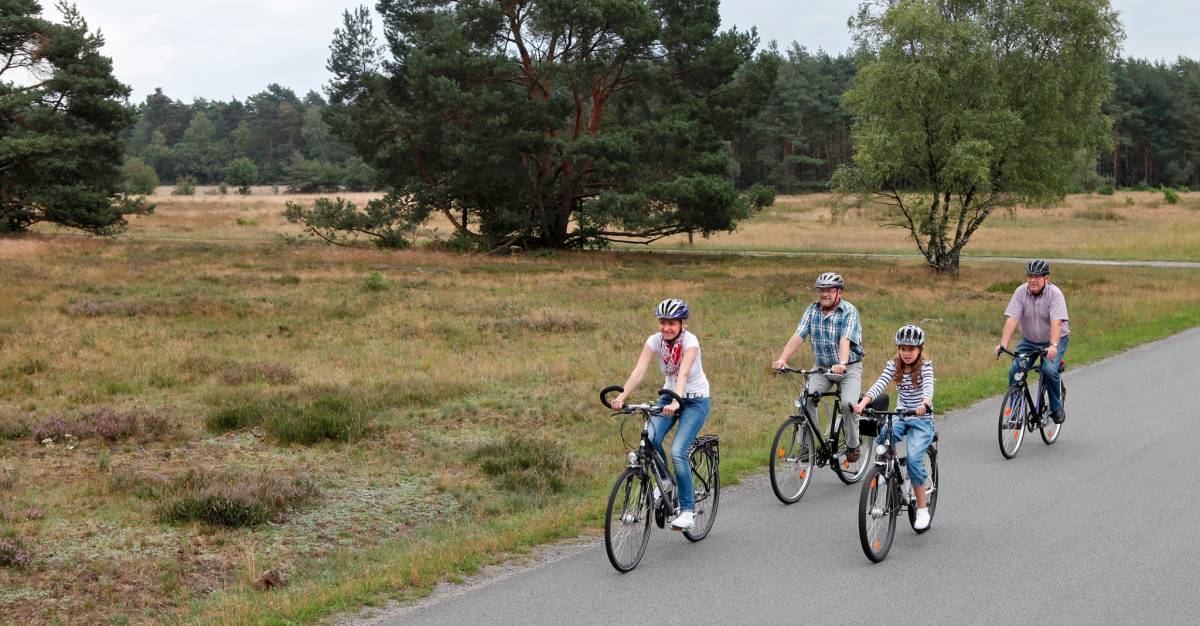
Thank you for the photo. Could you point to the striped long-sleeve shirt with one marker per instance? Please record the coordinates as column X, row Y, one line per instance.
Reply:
column 910, row 396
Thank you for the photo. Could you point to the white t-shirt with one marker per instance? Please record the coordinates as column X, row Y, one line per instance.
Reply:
column 697, row 382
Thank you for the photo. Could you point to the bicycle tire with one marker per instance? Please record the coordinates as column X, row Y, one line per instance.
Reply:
column 877, row 509
column 792, row 460
column 1050, row 431
column 846, row 471
column 1010, row 429
column 628, row 507
column 705, row 469
column 930, row 498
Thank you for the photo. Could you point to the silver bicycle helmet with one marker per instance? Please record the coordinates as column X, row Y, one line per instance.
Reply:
column 830, row 279
column 1037, row 267
column 671, row 309
column 910, row 336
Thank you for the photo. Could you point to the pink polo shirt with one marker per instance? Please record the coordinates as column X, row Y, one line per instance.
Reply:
column 1034, row 313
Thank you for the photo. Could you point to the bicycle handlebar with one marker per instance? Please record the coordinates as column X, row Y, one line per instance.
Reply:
column 1022, row 355
column 903, row 413
column 791, row 370
column 629, row 408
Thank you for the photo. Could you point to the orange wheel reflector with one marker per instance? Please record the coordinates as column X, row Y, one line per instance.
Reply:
column 802, row 474
column 846, row 464
column 1007, row 411
column 1016, row 433
column 781, row 452
column 872, row 483
column 878, row 545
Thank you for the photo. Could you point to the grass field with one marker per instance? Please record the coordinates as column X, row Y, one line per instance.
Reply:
column 238, row 402
column 1127, row 225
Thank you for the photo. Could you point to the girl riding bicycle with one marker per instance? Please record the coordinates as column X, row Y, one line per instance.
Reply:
column 913, row 374
column 678, row 354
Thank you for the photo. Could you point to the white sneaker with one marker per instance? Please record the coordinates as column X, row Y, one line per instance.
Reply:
column 687, row 519
column 922, row 520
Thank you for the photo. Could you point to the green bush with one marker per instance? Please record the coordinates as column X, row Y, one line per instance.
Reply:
column 331, row 417
column 1170, row 195
column 1106, row 187
column 238, row 413
column 374, row 282
column 232, row 499
column 241, row 173
column 140, row 178
column 184, row 186
column 761, row 196
column 525, row 465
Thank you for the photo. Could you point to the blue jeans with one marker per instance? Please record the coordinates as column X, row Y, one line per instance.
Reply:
column 691, row 417
column 920, row 435
column 1049, row 369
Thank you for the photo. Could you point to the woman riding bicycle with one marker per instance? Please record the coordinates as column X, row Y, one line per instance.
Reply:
column 678, row 353
column 913, row 374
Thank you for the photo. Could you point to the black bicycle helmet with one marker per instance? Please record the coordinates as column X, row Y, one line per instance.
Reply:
column 1037, row 267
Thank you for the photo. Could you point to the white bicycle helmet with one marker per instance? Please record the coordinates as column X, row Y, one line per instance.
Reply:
column 910, row 335
column 830, row 279
column 671, row 309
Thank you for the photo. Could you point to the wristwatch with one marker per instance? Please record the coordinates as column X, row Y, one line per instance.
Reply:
column 928, row 409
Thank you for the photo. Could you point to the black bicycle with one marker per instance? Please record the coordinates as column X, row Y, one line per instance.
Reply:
column 887, row 490
column 1019, row 413
column 646, row 489
column 794, row 452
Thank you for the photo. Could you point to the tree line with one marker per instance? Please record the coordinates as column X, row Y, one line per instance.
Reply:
column 272, row 138
column 794, row 144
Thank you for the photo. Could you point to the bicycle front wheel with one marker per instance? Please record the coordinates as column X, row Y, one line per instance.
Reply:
column 1011, row 429
column 792, row 459
column 878, row 505
column 851, row 473
column 931, row 492
column 627, row 524
column 707, row 479
column 1050, row 430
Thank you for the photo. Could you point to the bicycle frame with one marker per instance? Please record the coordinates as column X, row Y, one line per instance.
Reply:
column 895, row 465
column 1039, row 410
column 651, row 462
column 826, row 452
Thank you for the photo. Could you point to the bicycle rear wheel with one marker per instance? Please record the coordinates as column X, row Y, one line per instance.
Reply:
column 1011, row 428
column 878, row 505
column 848, row 472
column 627, row 523
column 1050, row 430
column 707, row 480
column 931, row 494
column 792, row 459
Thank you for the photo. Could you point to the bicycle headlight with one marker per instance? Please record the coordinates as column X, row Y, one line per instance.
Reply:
column 797, row 403
column 633, row 458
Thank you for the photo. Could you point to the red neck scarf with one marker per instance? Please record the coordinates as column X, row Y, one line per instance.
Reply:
column 673, row 352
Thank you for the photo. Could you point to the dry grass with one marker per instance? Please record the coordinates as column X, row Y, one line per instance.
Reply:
column 458, row 360
column 1148, row 229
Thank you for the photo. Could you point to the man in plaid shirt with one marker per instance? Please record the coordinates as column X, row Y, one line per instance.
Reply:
column 837, row 346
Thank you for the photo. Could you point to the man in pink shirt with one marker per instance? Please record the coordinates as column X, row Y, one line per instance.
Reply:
column 1040, row 309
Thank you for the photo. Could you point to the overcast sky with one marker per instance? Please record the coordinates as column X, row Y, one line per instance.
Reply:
column 219, row 49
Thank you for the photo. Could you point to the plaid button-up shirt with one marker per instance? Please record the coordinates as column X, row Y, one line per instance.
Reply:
column 828, row 329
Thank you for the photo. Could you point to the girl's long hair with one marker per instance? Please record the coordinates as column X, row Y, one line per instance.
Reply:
column 913, row 370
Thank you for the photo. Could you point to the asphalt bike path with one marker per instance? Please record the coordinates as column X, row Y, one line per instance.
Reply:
column 1101, row 527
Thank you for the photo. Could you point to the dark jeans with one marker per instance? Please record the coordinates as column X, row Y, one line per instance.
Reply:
column 1049, row 369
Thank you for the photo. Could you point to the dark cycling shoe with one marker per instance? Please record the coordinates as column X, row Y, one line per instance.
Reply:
column 1058, row 416
column 852, row 455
